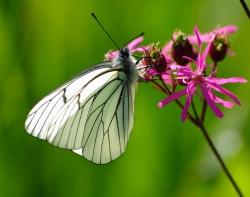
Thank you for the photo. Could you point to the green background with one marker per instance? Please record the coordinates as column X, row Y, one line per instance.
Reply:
column 44, row 43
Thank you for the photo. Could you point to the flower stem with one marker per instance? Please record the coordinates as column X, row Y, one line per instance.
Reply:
column 194, row 110
column 203, row 112
column 215, row 152
column 218, row 157
column 244, row 5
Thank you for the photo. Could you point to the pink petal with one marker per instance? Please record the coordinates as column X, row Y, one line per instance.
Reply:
column 167, row 78
column 185, row 73
column 199, row 59
column 172, row 97
column 210, row 101
column 188, row 58
column 109, row 56
column 226, row 104
column 168, row 58
column 135, row 42
column 226, row 30
column 202, row 62
column 140, row 49
column 178, row 67
column 152, row 71
column 205, row 38
column 193, row 39
column 131, row 46
column 166, row 49
column 224, row 91
column 221, row 81
column 191, row 89
column 197, row 33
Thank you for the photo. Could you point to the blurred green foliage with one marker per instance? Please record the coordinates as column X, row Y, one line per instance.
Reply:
column 44, row 43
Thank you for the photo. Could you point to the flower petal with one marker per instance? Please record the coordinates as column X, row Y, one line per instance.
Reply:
column 135, row 42
column 205, row 38
column 221, row 81
column 109, row 56
column 197, row 33
column 226, row 104
column 152, row 72
column 140, row 49
column 226, row 30
column 202, row 63
column 222, row 90
column 199, row 58
column 188, row 58
column 178, row 67
column 172, row 97
column 210, row 101
column 167, row 78
column 191, row 89
column 167, row 48
column 185, row 73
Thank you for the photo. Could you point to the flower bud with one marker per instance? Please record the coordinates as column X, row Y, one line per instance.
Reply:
column 153, row 57
column 182, row 47
column 147, row 59
column 160, row 63
column 219, row 48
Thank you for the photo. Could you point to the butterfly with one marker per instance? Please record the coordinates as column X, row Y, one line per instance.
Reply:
column 92, row 114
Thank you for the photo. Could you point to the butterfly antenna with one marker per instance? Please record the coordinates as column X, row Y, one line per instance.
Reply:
column 103, row 29
column 141, row 34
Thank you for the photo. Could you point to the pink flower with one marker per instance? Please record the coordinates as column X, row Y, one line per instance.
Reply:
column 207, row 84
column 132, row 46
column 204, row 38
column 221, row 31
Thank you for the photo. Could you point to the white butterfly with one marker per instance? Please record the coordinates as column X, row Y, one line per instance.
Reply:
column 92, row 114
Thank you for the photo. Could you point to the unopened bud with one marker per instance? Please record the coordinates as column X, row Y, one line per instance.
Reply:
column 182, row 47
column 219, row 48
column 160, row 63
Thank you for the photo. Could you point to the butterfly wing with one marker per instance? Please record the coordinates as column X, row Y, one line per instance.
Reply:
column 108, row 127
column 96, row 106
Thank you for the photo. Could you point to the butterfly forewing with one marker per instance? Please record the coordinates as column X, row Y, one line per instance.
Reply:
column 92, row 114
column 40, row 116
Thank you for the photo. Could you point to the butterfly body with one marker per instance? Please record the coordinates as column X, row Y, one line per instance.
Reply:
column 126, row 61
column 92, row 114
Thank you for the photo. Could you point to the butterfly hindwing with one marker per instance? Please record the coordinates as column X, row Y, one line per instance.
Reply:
column 108, row 136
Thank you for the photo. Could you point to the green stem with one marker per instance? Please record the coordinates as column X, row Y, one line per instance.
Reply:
column 195, row 111
column 216, row 153
column 219, row 158
column 203, row 112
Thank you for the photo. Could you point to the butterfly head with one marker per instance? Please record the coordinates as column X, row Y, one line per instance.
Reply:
column 124, row 52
